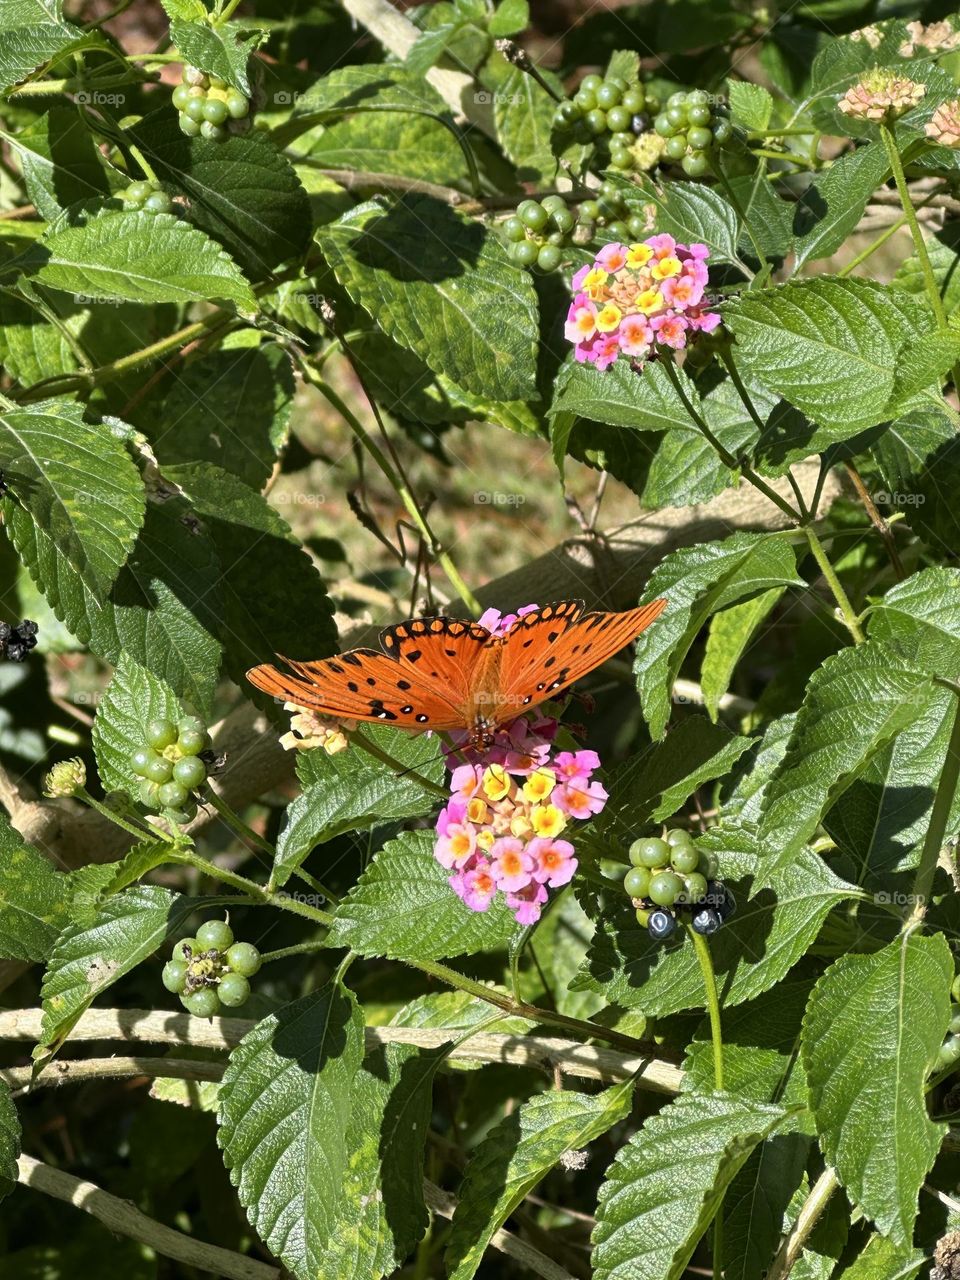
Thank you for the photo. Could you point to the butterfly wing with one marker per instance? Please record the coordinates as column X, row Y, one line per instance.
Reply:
column 421, row 680
column 548, row 650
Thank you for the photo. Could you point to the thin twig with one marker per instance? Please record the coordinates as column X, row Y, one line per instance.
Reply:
column 807, row 1219
column 876, row 519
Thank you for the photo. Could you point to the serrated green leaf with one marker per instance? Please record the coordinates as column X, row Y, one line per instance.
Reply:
column 523, row 113
column 232, row 408
column 273, row 599
column 769, row 215
column 222, row 51
column 243, row 193
column 731, row 631
column 745, row 802
column 87, row 959
column 772, row 928
column 459, row 302
column 164, row 608
column 510, row 18
column 131, row 700
column 34, row 899
column 515, row 1155
column 832, row 205
column 942, row 249
column 855, row 703
column 365, row 87
column 698, row 581
column 283, row 1114
column 30, row 348
column 756, row 1203
column 919, row 461
column 872, row 1031
column 883, row 1259
column 351, row 791
column 921, row 617
column 685, row 1156
column 414, row 146
column 141, row 257
column 848, row 353
column 77, row 484
column 9, row 1141
column 59, row 160
column 27, row 46
column 403, row 907
column 750, row 104
column 692, row 211
column 142, row 859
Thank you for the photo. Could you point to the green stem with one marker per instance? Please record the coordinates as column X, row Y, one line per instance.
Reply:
column 790, row 156
column 378, row 753
column 226, row 13
column 702, row 949
column 851, row 621
column 735, row 464
column 142, row 833
column 909, row 212
column 400, row 486
column 302, row 948
column 237, row 824
column 939, row 817
column 740, row 212
column 144, row 163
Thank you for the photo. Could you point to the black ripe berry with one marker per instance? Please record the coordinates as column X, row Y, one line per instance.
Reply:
column 706, row 920
column 661, row 925
column 16, row 642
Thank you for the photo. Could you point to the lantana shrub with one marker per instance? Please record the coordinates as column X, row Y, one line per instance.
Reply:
column 330, row 333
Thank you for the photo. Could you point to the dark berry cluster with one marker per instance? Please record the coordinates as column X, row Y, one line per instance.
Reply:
column 669, row 875
column 537, row 232
column 146, row 196
column 209, row 107
column 610, row 110
column 211, row 970
column 170, row 764
column 611, row 212
column 693, row 125
column 16, row 642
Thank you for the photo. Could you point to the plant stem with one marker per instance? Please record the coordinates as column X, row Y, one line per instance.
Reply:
column 939, row 817
column 142, row 833
column 399, row 485
column 143, row 162
column 302, row 948
column 851, row 621
column 724, row 454
column 226, row 13
column 237, row 824
column 740, row 212
column 702, row 948
column 876, row 519
column 807, row 1219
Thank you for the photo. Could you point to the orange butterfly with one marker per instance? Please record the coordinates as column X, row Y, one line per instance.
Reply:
column 444, row 673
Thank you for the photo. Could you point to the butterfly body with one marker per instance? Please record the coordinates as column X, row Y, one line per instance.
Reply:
column 449, row 674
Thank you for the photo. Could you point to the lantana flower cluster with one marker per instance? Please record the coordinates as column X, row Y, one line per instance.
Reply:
column 635, row 297
column 506, row 827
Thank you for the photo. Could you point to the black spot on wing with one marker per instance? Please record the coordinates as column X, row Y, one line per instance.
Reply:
column 403, row 684
column 352, row 658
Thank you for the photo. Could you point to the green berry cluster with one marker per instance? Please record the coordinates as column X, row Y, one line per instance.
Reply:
column 612, row 110
column 209, row 107
column 537, row 232
column 668, row 874
column 146, row 196
column 693, row 125
column 211, row 970
column 610, row 211
column 949, row 1054
column 170, row 765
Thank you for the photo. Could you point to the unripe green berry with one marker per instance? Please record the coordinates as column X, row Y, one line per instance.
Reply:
column 722, row 132
column 185, row 945
column 204, row 1003
column 158, row 202
column 637, row 882
column 678, row 99
column 159, row 770
column 192, row 741
column 238, row 107
column 171, row 795
column 618, row 231
column 591, row 83
column 549, row 257
column 180, row 96
column 699, row 139
column 532, row 215
column 553, row 204
column 141, row 759
column 649, row 851
column 233, row 990
column 665, row 888
column 955, row 1020
column 160, row 733
column 695, row 887
column 243, row 958
column 609, row 95
column 700, row 116
column 525, row 253
column 676, row 147
column 586, row 100
column 696, row 164
column 190, row 127
column 569, row 111
column 621, row 158
column 634, row 99
column 618, row 119
column 677, row 117
column 637, row 225
column 189, row 772
column 677, row 836
column 514, row 230
column 194, row 109
column 217, row 83
column 589, row 211
column 562, row 220
column 664, row 126
column 174, row 976
column 684, row 858
column 212, row 132
column 215, row 110
column 149, row 794
column 215, row 935
column 596, row 121
column 697, row 98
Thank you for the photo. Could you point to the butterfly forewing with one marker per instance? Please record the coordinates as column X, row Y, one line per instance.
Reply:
column 547, row 651
column 422, row 680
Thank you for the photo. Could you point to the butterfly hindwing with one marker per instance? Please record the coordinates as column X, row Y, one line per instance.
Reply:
column 549, row 650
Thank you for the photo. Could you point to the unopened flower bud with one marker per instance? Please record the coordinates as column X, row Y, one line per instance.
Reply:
column 66, row 778
column 943, row 127
column 881, row 96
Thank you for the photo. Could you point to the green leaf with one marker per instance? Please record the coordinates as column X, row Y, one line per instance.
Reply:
column 76, row 483
column 745, row 802
column 770, row 931
column 515, row 1155
column 692, row 211
column 891, row 1010
column 523, row 113
column 243, row 193
column 511, row 17
column 855, row 703
column 884, row 1259
column 685, row 1157
column 459, row 303
column 731, row 631
column 403, row 907
column 919, row 461
column 846, row 352
column 26, row 47
column 921, row 617
column 141, row 257
column 833, row 203
column 273, row 598
column 34, row 899
column 283, row 1115
column 230, row 407
column 222, row 51
column 364, row 88
column 750, row 104
column 756, row 1204
column 414, row 146
column 87, row 959
column 647, row 401
column 9, row 1141
column 59, row 160
column 131, row 700
column 351, row 791
column 698, row 581
column 164, row 608
column 31, row 348
column 133, row 866
column 943, row 249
